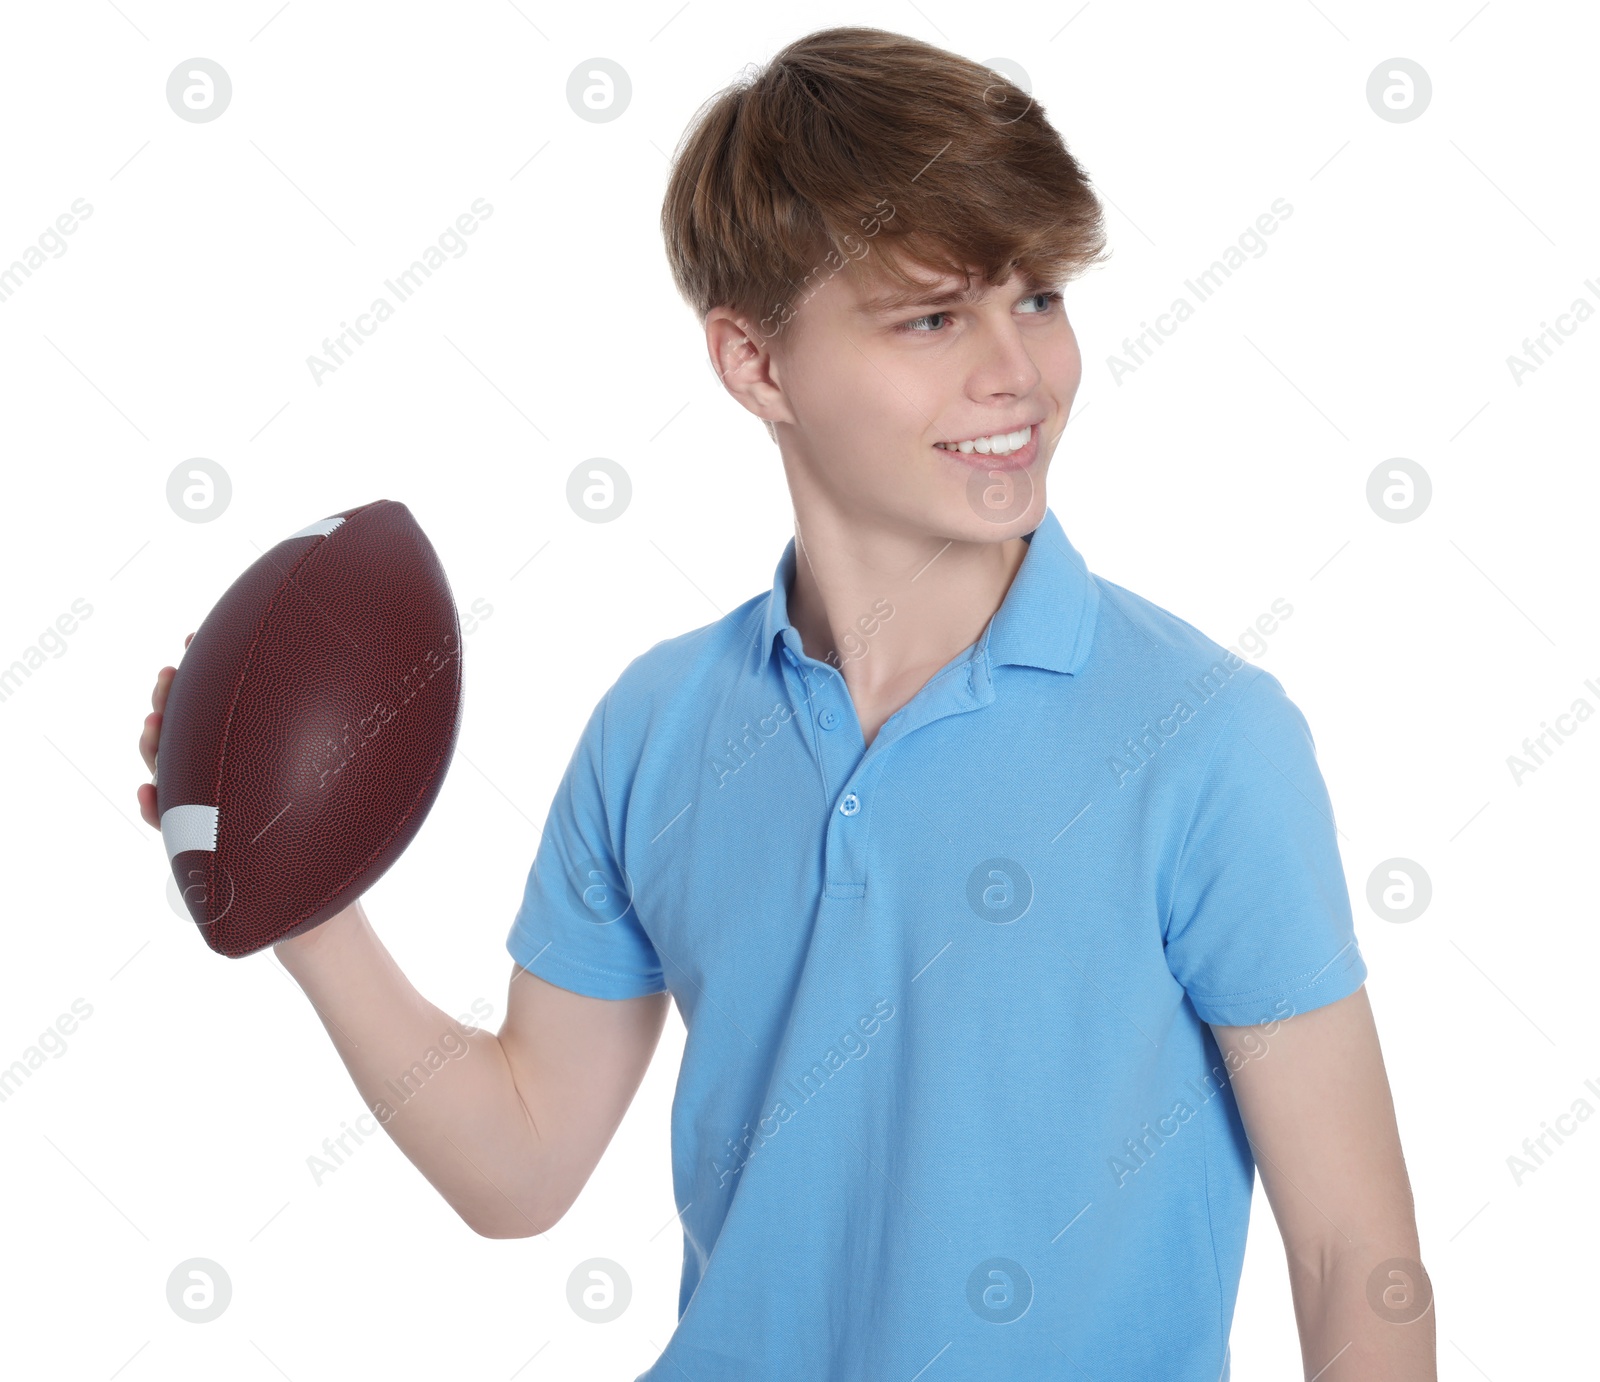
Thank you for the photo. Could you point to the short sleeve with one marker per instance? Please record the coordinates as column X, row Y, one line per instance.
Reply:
column 577, row 926
column 1260, row 925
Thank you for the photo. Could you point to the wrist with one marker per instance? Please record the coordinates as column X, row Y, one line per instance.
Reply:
column 293, row 949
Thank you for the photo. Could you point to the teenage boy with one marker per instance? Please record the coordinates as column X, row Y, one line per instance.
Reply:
column 1003, row 908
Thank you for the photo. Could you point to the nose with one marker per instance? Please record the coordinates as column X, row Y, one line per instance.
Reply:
column 1002, row 362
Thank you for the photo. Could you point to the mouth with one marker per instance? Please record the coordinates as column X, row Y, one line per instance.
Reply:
column 981, row 453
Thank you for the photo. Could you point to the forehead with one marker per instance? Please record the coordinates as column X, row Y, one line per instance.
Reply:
column 873, row 293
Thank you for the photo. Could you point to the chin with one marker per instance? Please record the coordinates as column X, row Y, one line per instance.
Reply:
column 995, row 505
column 994, row 510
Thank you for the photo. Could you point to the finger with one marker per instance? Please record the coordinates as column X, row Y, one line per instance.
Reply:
column 149, row 738
column 158, row 697
column 147, row 805
column 188, row 640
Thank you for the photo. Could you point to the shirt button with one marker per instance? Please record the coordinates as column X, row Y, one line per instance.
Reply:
column 829, row 719
column 850, row 805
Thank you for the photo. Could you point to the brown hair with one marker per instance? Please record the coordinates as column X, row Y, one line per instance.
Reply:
column 783, row 179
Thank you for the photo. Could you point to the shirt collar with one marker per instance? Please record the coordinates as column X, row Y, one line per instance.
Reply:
column 1047, row 618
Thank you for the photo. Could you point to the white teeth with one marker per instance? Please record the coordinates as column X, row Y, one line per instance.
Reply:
column 1001, row 444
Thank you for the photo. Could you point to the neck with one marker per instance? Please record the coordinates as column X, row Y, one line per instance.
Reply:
column 889, row 606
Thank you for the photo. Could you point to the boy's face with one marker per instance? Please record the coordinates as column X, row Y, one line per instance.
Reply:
column 868, row 389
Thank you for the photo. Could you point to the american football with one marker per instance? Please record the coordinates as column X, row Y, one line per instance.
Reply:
column 309, row 727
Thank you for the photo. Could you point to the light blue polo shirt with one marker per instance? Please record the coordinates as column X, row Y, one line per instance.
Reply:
column 949, row 1108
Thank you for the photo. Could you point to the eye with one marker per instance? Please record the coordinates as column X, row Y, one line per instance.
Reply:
column 1050, row 300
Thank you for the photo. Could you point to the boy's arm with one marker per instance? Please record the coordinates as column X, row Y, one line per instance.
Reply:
column 1315, row 1103
column 506, row 1127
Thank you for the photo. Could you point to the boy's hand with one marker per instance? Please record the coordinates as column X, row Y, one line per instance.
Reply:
column 150, row 738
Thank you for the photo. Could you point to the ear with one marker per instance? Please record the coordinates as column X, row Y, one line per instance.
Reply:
column 744, row 360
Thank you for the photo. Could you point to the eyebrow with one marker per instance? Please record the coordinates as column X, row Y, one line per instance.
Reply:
column 883, row 305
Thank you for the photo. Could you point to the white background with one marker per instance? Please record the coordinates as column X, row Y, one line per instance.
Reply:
column 1227, row 472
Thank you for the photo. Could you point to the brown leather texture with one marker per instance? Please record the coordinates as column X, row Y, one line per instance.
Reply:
column 317, row 708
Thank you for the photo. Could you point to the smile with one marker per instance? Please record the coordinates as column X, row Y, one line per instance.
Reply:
column 999, row 451
column 995, row 444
